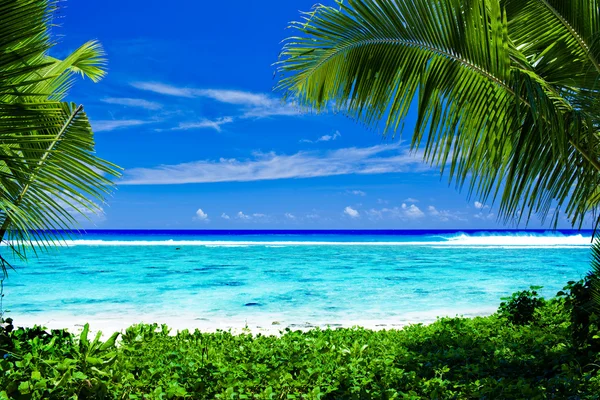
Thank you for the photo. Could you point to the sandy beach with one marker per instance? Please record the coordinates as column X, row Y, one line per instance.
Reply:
column 272, row 325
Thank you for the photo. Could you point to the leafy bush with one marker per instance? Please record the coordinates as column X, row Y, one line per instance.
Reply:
column 583, row 314
column 520, row 308
column 453, row 358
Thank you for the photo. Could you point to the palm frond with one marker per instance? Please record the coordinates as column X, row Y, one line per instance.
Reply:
column 559, row 38
column 24, row 43
column 49, row 172
column 484, row 114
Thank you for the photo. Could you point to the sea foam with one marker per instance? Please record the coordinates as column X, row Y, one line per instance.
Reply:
column 520, row 240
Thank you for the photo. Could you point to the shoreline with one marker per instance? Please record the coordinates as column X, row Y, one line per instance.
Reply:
column 271, row 325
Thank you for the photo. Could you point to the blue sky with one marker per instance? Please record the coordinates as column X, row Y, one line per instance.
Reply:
column 187, row 109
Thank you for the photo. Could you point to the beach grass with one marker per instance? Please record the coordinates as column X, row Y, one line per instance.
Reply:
column 531, row 348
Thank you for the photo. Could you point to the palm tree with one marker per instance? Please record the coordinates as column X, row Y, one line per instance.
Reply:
column 506, row 92
column 48, row 170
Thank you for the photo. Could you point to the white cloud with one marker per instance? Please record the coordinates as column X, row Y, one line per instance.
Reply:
column 407, row 212
column 205, row 123
column 165, row 89
column 277, row 108
column 485, row 217
column 351, row 212
column 126, row 101
column 404, row 213
column 201, row 215
column 380, row 159
column 237, row 97
column 254, row 105
column 225, row 216
column 374, row 214
column 253, row 217
column 290, row 216
column 356, row 192
column 324, row 138
column 382, row 201
column 480, row 206
column 111, row 125
column 446, row 215
column 241, row 215
column 412, row 211
column 327, row 138
column 411, row 200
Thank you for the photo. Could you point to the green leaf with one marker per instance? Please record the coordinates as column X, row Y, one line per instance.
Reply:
column 505, row 92
column 24, row 388
column 49, row 173
column 93, row 361
column 63, row 380
column 110, row 342
column 79, row 375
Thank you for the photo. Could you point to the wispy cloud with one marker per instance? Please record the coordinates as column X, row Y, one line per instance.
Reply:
column 324, row 138
column 225, row 216
column 411, row 200
column 446, row 215
column 254, row 105
column 111, row 125
column 483, row 216
column 126, row 101
column 356, row 192
column 290, row 216
column 242, row 216
column 378, row 159
column 256, row 217
column 162, row 88
column 405, row 212
column 237, row 97
column 204, row 124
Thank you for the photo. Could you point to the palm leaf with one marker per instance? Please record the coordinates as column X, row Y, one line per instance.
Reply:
column 484, row 114
column 48, row 170
column 506, row 92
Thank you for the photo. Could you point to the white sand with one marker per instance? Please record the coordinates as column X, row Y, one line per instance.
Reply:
column 273, row 325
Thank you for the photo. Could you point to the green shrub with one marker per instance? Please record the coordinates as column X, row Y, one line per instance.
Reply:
column 583, row 314
column 452, row 358
column 520, row 308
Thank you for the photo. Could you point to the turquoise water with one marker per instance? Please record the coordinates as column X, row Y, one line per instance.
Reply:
column 293, row 278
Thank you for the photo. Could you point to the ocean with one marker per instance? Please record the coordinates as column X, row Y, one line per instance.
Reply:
column 270, row 280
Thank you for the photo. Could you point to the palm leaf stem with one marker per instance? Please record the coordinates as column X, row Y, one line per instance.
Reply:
column 573, row 32
column 589, row 158
column 7, row 220
column 409, row 43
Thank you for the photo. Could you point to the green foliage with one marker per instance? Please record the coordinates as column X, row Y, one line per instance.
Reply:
column 453, row 358
column 521, row 306
column 505, row 91
column 585, row 321
column 49, row 173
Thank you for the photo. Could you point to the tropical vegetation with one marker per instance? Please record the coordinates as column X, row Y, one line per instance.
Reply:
column 546, row 351
column 507, row 103
column 49, row 174
column 506, row 92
